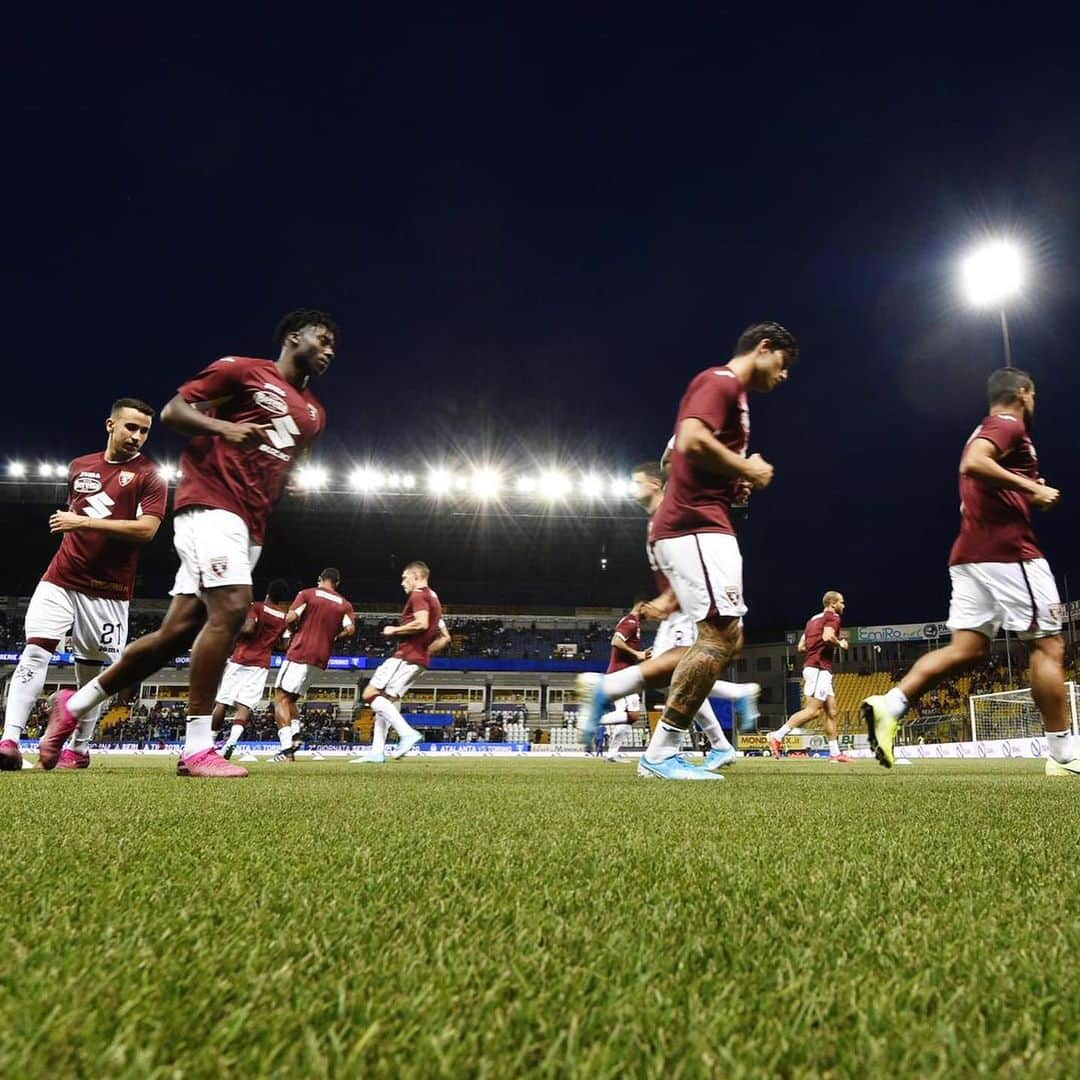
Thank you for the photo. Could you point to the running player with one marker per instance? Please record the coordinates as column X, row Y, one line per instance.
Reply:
column 692, row 536
column 247, row 419
column 999, row 577
column 626, row 651
column 116, row 502
column 244, row 680
column 819, row 641
column 425, row 633
column 325, row 616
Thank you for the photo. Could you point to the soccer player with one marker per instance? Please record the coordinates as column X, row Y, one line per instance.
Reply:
column 998, row 574
column 325, row 616
column 626, row 650
column 425, row 633
column 819, row 641
column 247, row 419
column 245, row 673
column 116, row 502
column 692, row 536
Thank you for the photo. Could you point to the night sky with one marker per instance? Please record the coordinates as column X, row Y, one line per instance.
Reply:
column 534, row 231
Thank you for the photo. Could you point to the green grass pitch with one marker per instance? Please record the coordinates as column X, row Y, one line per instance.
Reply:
column 500, row 917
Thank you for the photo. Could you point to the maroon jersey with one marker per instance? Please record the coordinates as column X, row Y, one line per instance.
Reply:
column 323, row 619
column 995, row 524
column 416, row 648
column 96, row 563
column 695, row 500
column 246, row 480
column 820, row 653
column 255, row 649
column 629, row 628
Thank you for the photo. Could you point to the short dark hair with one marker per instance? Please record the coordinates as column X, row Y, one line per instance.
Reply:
column 651, row 469
column 131, row 403
column 1004, row 385
column 421, row 568
column 778, row 336
column 331, row 574
column 301, row 317
column 278, row 590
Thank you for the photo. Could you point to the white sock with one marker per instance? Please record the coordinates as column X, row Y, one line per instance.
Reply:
column 710, row 727
column 665, row 742
column 378, row 735
column 234, row 734
column 198, row 736
column 86, row 697
column 385, row 707
column 284, row 735
column 617, row 735
column 733, row 691
column 1062, row 746
column 620, row 683
column 294, row 727
column 783, row 729
column 84, row 733
column 24, row 688
column 834, row 747
column 617, row 716
column 896, row 702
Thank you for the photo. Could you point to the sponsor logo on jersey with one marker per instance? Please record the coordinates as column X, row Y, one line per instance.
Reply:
column 126, row 477
column 86, row 484
column 219, row 564
column 271, row 402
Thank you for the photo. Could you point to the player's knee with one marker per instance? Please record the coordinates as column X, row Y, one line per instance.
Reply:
column 1053, row 648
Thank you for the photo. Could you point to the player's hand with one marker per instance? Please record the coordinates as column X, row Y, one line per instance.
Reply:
column 247, row 435
column 647, row 654
column 388, row 631
column 1044, row 497
column 63, row 521
column 843, row 643
column 759, row 472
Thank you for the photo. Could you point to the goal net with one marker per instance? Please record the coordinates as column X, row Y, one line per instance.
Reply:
column 1012, row 715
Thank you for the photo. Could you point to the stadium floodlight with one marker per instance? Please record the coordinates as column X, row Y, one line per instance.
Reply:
column 485, row 483
column 440, row 481
column 525, row 485
column 591, row 486
column 365, row 479
column 16, row 469
column 45, row 469
column 312, row 477
column 991, row 275
column 555, row 485
column 408, row 481
column 620, row 488
column 168, row 473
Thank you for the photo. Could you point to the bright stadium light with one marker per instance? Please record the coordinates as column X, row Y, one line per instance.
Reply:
column 440, row 481
column 555, row 485
column 16, row 469
column 591, row 486
column 312, row 477
column 365, row 479
column 45, row 469
column 485, row 483
column 620, row 488
column 525, row 485
column 991, row 275
column 408, row 481
column 168, row 473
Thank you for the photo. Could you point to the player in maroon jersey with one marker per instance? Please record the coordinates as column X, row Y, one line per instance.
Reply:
column 692, row 536
column 244, row 680
column 424, row 632
column 247, row 419
column 116, row 502
column 998, row 575
column 819, row 642
column 626, row 651
column 324, row 616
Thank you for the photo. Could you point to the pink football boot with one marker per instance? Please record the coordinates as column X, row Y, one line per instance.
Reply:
column 72, row 759
column 10, row 756
column 61, row 724
column 209, row 763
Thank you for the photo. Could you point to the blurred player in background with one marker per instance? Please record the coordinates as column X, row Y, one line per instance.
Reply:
column 247, row 420
column 116, row 502
column 424, row 633
column 819, row 642
column 999, row 577
column 324, row 616
column 245, row 675
column 626, row 650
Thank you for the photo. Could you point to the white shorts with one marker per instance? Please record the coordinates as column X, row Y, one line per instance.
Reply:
column 1021, row 596
column 214, row 549
column 630, row 704
column 98, row 626
column 293, row 677
column 677, row 631
column 817, row 683
column 394, row 677
column 705, row 570
column 242, row 685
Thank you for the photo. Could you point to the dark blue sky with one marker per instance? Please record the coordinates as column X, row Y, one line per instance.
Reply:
column 534, row 231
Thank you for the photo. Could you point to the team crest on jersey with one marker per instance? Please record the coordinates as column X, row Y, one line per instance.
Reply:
column 314, row 413
column 86, row 484
column 126, row 477
column 271, row 402
column 732, row 593
column 219, row 564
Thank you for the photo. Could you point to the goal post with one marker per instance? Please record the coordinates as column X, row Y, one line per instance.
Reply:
column 1013, row 714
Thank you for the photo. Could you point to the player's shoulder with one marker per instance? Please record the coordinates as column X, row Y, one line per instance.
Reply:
column 147, row 465
column 245, row 361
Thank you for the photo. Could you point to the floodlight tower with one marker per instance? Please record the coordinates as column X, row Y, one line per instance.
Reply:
column 992, row 274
